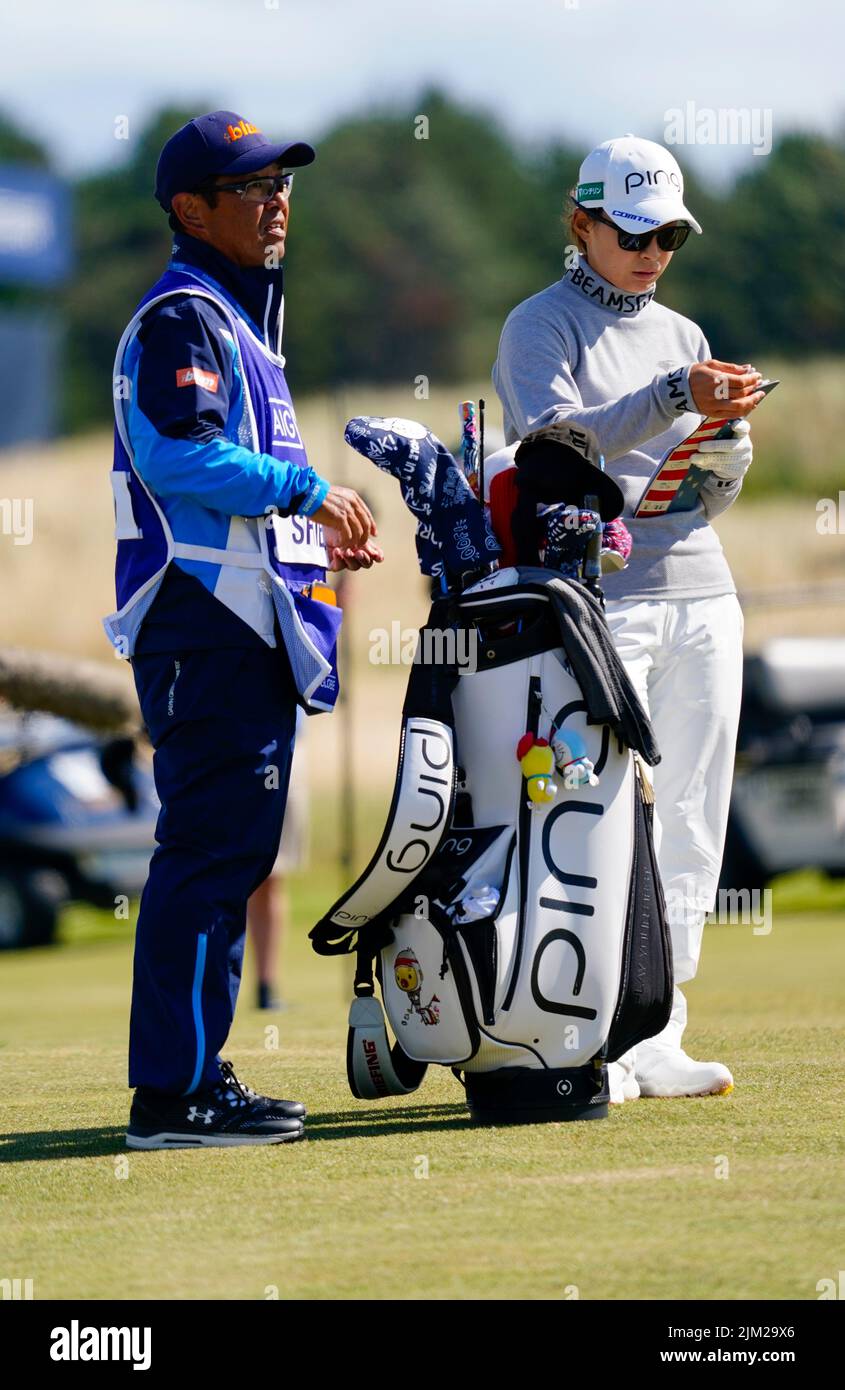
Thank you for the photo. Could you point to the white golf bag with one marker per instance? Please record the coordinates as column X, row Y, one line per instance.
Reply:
column 521, row 942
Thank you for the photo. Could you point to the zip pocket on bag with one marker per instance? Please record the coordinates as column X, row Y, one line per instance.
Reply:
column 453, row 959
column 645, row 993
column 479, row 941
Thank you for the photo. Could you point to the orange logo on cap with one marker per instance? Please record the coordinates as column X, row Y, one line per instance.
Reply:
column 237, row 132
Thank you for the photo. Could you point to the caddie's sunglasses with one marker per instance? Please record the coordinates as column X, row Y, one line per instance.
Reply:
column 668, row 238
column 255, row 190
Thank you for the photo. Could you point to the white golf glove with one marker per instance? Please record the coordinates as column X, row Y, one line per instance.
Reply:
column 727, row 458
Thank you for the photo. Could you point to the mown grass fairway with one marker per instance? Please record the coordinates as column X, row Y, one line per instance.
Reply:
column 627, row 1208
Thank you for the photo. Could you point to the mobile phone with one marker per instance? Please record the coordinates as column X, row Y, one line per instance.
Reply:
column 767, row 385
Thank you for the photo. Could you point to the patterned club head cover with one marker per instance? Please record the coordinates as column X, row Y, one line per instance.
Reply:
column 567, row 533
column 453, row 534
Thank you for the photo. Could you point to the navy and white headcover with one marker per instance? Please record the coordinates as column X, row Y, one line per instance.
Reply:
column 453, row 534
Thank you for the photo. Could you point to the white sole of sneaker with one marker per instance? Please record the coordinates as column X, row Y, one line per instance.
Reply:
column 165, row 1140
column 723, row 1090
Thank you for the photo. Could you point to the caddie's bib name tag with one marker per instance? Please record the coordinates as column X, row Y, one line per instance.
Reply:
column 298, row 540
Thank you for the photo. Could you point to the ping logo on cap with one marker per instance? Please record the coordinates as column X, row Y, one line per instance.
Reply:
column 237, row 132
column 652, row 177
column 588, row 190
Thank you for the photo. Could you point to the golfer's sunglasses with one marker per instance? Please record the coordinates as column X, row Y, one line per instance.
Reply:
column 254, row 190
column 668, row 238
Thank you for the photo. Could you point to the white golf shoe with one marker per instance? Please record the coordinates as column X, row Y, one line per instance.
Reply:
column 669, row 1072
column 621, row 1079
column 664, row 1069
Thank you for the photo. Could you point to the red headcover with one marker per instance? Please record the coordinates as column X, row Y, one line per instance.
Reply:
column 503, row 498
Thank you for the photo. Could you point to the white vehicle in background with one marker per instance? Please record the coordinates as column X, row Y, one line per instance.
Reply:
column 788, row 801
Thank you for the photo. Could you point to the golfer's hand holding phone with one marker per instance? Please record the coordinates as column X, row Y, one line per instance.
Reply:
column 724, row 390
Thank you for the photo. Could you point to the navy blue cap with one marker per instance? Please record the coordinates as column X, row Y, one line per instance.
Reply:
column 220, row 143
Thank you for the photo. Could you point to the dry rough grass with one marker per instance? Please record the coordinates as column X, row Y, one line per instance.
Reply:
column 54, row 592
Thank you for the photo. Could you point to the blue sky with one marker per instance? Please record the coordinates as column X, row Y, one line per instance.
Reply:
column 584, row 70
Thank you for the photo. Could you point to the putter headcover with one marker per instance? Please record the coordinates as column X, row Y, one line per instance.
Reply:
column 453, row 535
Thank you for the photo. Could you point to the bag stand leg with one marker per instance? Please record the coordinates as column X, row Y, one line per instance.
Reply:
column 528, row 1096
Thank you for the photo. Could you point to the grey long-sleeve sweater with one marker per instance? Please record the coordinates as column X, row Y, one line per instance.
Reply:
column 584, row 351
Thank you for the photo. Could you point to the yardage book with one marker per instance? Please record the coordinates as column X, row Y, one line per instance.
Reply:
column 674, row 485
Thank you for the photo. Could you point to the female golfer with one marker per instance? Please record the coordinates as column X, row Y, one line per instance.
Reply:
column 597, row 349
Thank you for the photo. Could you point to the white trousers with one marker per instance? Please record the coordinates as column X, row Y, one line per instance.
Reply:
column 684, row 658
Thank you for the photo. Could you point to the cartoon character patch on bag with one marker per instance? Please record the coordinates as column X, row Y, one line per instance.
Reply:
column 409, row 978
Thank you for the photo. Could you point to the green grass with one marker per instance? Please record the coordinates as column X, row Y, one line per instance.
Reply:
column 626, row 1208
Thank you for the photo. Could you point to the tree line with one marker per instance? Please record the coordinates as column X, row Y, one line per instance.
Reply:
column 412, row 239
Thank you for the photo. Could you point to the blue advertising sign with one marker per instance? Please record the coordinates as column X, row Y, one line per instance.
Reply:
column 29, row 400
column 35, row 227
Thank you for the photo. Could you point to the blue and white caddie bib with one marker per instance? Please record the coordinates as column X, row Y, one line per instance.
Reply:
column 256, row 566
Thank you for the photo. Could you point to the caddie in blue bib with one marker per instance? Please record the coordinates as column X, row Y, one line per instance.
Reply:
column 222, row 610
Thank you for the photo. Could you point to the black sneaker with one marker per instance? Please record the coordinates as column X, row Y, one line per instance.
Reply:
column 218, row 1117
column 291, row 1109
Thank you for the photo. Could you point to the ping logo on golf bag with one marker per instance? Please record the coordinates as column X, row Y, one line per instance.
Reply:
column 551, row 1006
column 433, row 789
column 419, row 819
column 409, row 977
column 580, row 909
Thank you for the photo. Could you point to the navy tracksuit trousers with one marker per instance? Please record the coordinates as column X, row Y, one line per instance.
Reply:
column 222, row 723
